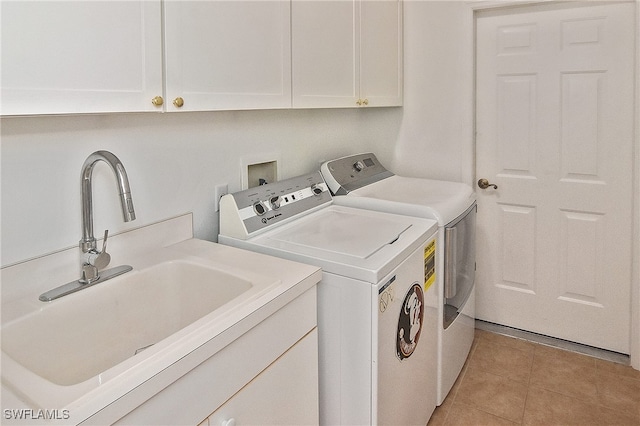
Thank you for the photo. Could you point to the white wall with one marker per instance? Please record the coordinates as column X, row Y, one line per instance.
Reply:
column 436, row 136
column 173, row 162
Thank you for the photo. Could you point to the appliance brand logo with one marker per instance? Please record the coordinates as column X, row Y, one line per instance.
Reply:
column 266, row 220
column 410, row 322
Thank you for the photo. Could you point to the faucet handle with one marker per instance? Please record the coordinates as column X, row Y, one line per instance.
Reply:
column 100, row 259
column 104, row 241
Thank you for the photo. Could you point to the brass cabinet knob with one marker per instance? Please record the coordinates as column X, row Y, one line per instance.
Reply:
column 365, row 102
column 157, row 101
column 359, row 102
column 178, row 102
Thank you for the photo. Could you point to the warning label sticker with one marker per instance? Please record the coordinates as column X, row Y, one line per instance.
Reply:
column 429, row 265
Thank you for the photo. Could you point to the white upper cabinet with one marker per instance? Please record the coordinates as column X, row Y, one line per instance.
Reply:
column 381, row 65
column 91, row 56
column 325, row 39
column 227, row 55
column 347, row 53
column 64, row 57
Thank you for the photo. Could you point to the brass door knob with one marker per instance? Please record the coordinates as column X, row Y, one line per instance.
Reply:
column 365, row 102
column 484, row 184
column 178, row 102
column 157, row 101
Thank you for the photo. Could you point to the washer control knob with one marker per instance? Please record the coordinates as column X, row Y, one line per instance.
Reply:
column 359, row 166
column 275, row 202
column 259, row 208
column 316, row 189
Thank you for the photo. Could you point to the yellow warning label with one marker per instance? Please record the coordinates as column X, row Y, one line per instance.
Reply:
column 429, row 264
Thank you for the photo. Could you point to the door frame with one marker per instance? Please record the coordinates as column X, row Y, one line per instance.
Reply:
column 479, row 5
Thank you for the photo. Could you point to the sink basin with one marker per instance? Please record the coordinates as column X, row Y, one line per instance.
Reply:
column 190, row 299
column 75, row 338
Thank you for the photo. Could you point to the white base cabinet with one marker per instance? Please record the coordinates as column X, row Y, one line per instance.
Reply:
column 268, row 375
column 280, row 395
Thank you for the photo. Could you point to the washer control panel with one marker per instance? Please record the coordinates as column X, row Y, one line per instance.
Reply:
column 347, row 174
column 245, row 213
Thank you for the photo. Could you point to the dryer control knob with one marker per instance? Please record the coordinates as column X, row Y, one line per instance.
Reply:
column 316, row 189
column 359, row 166
column 259, row 208
column 275, row 202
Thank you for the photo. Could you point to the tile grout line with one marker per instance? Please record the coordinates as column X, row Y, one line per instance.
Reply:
column 526, row 398
column 477, row 343
column 453, row 392
column 598, row 353
column 538, row 350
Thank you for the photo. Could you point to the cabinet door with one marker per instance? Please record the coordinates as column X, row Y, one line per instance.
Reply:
column 73, row 57
column 381, row 52
column 285, row 393
column 347, row 53
column 325, row 38
column 228, row 54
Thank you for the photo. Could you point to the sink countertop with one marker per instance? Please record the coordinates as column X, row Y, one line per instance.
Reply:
column 278, row 282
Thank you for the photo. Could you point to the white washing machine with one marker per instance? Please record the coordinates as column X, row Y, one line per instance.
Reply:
column 377, row 307
column 361, row 181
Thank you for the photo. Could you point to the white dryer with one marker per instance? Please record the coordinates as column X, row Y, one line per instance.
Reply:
column 361, row 181
column 376, row 302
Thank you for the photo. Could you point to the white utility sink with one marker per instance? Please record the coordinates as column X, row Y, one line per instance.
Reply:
column 102, row 351
column 83, row 334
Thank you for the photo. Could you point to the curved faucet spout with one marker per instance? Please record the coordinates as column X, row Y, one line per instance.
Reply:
column 88, row 241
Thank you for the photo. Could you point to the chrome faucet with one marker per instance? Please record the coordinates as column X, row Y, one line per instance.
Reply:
column 93, row 260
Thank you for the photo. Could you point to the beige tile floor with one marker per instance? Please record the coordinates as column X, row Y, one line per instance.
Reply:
column 510, row 381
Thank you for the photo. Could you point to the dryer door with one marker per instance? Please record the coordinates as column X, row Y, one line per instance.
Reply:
column 460, row 263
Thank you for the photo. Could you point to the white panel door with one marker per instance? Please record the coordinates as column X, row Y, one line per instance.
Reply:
column 554, row 132
column 80, row 56
column 223, row 55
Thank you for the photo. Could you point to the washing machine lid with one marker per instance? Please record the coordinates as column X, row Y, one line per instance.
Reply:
column 356, row 243
column 348, row 234
column 361, row 181
column 435, row 199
